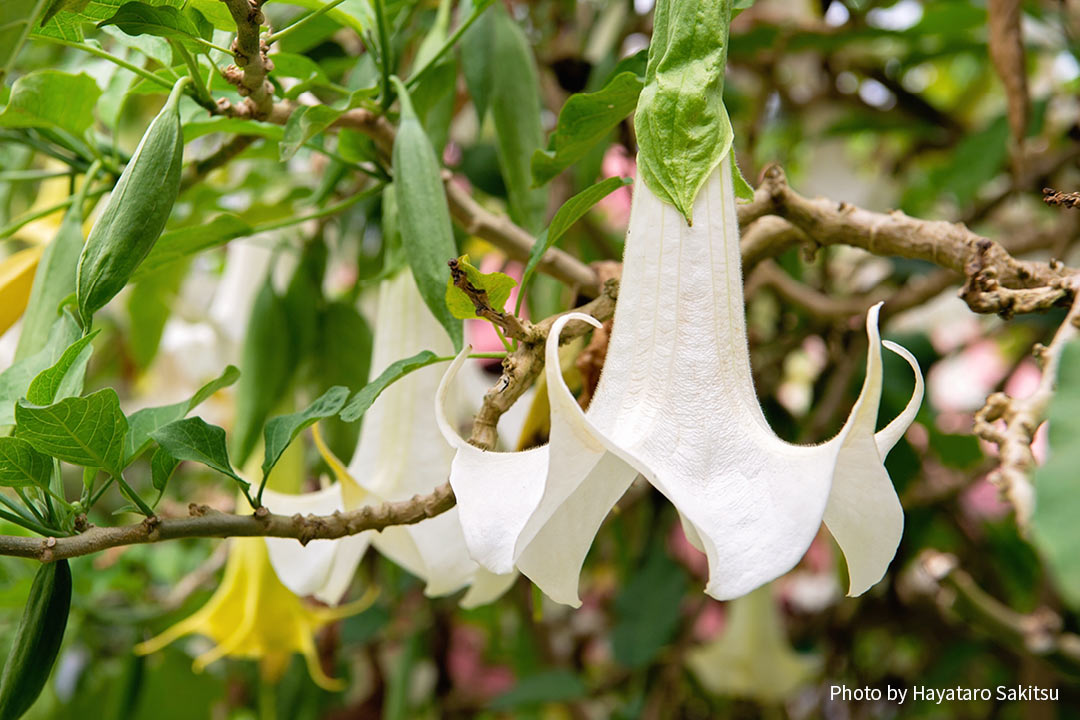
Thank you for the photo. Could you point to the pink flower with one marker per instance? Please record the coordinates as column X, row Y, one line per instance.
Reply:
column 469, row 673
column 983, row 500
column 961, row 383
column 616, row 206
column 710, row 621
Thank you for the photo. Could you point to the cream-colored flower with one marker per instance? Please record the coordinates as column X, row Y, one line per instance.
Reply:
column 676, row 403
column 752, row 658
column 399, row 455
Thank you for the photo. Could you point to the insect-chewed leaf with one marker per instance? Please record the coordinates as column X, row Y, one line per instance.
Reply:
column 496, row 285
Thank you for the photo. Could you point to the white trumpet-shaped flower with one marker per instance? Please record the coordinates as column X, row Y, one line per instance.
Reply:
column 399, row 455
column 676, row 403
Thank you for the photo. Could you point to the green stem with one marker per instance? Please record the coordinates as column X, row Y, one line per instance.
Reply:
column 133, row 496
column 450, row 42
column 14, row 507
column 30, row 139
column 505, row 342
column 145, row 74
column 29, row 525
column 212, row 46
column 274, row 37
column 17, row 175
column 101, row 491
column 267, row 700
column 33, row 508
column 14, row 226
column 325, row 212
column 200, row 91
column 384, row 53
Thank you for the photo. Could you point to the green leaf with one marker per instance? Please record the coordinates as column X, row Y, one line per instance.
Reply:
column 553, row 686
column 1054, row 530
column 304, row 124
column 355, row 14
column 497, row 285
column 176, row 245
column 647, row 610
column 198, row 128
column 304, row 69
column 424, row 218
column 585, row 120
column 16, row 379
column 69, row 25
column 683, row 129
column 54, row 280
column 150, row 303
column 87, row 431
column 65, row 378
column 476, row 57
column 143, row 423
column 52, row 99
column 571, row 211
column 17, row 18
column 267, row 364
column 216, row 12
column 138, row 18
column 367, row 395
column 23, row 466
column 434, row 95
column 741, row 5
column 341, row 356
column 281, row 431
column 515, row 107
column 196, row 440
column 162, row 466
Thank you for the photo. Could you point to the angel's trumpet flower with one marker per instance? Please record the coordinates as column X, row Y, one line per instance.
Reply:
column 676, row 403
column 253, row 616
column 399, row 455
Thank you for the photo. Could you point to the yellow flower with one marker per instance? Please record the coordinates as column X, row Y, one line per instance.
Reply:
column 16, row 280
column 252, row 615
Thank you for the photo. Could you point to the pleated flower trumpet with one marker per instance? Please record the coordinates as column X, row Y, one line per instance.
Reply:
column 676, row 403
column 253, row 616
column 399, row 455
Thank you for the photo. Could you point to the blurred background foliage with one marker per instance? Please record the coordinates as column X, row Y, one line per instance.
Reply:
column 879, row 104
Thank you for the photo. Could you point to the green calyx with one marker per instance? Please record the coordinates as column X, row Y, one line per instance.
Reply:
column 683, row 129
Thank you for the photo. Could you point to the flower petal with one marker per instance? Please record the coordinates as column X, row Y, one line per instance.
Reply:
column 305, row 569
column 433, row 550
column 888, row 436
column 398, row 454
column 350, row 551
column 864, row 513
column 496, row 492
column 486, row 587
column 554, row 557
column 676, row 400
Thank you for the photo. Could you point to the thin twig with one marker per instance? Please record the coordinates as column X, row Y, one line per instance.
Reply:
column 956, row 593
column 209, row 523
column 1021, row 418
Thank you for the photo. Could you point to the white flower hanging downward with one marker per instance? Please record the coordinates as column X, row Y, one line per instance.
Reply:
column 676, row 403
column 398, row 456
